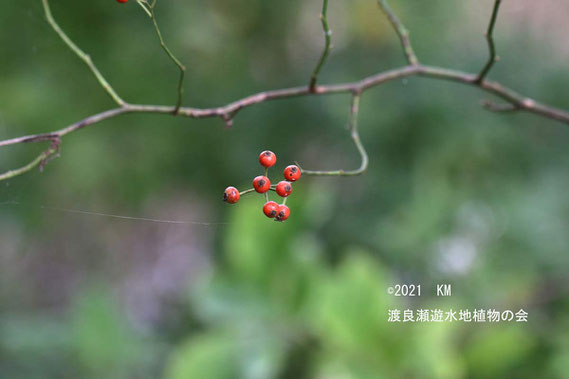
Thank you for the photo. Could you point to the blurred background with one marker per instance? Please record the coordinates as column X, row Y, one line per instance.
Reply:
column 454, row 194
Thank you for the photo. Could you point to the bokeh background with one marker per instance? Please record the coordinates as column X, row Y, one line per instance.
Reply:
column 454, row 194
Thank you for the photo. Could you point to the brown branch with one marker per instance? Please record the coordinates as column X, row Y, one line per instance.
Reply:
column 522, row 103
column 515, row 101
column 226, row 112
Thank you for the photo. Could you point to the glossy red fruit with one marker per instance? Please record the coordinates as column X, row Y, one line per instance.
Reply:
column 267, row 159
column 270, row 209
column 292, row 173
column 231, row 195
column 284, row 188
column 261, row 184
column 122, row 1
column 283, row 213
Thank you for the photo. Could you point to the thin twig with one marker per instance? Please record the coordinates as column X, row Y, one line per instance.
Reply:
column 145, row 6
column 40, row 160
column 82, row 55
column 327, row 46
column 489, row 37
column 401, row 31
column 353, row 127
column 171, row 56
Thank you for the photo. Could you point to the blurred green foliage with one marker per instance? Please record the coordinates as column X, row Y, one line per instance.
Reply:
column 454, row 194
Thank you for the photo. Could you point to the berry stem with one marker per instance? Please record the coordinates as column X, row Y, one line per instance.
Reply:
column 353, row 127
column 267, row 193
column 246, row 191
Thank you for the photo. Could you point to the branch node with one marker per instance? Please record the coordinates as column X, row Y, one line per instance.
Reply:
column 51, row 153
column 528, row 103
column 312, row 86
column 228, row 119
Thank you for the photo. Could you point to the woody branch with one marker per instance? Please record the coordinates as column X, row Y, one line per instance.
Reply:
column 513, row 101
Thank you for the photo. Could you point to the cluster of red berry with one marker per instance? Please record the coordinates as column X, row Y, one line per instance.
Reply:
column 122, row 1
column 262, row 184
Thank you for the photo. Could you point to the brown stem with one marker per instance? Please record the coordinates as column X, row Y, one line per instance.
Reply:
column 521, row 102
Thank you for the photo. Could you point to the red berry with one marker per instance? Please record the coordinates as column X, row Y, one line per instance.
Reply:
column 292, row 173
column 283, row 213
column 261, row 184
column 122, row 1
column 270, row 209
column 284, row 188
column 267, row 159
column 231, row 195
